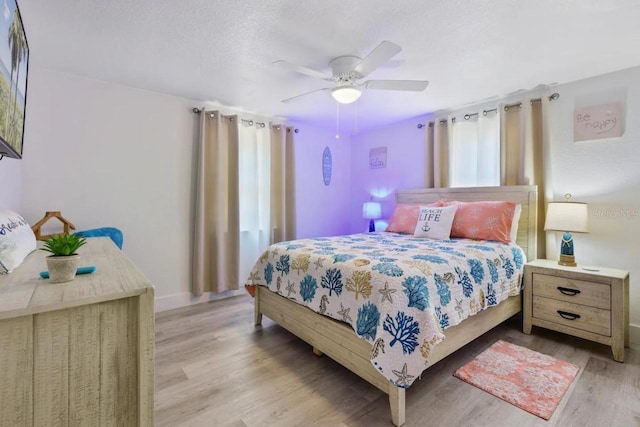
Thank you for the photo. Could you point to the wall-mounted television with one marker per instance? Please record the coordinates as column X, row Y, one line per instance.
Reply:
column 14, row 60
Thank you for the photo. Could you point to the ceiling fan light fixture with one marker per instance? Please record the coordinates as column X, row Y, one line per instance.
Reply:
column 346, row 94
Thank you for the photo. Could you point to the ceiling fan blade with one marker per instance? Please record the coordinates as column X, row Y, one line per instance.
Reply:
column 293, row 98
column 302, row 70
column 381, row 54
column 410, row 85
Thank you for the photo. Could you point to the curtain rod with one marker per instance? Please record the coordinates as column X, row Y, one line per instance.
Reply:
column 551, row 97
column 248, row 122
column 466, row 117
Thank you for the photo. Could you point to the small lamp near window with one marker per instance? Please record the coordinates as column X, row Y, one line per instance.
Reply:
column 371, row 211
column 567, row 217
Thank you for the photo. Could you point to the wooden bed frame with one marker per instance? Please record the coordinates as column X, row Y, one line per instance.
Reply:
column 338, row 340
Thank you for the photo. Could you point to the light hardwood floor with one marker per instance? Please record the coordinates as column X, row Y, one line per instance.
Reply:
column 214, row 368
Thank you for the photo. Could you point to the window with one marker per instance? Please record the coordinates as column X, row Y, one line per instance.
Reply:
column 474, row 152
column 255, row 194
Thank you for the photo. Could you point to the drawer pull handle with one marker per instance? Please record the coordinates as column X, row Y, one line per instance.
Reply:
column 567, row 315
column 568, row 291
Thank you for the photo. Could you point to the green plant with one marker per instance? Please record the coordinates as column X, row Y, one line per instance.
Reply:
column 63, row 244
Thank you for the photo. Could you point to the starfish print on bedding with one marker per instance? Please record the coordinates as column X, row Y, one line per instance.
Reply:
column 344, row 312
column 290, row 289
column 318, row 263
column 386, row 293
column 403, row 377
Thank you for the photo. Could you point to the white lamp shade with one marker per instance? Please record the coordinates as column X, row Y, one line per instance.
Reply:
column 371, row 210
column 346, row 94
column 567, row 216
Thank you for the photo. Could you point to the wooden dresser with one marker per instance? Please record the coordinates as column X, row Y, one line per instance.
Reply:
column 79, row 353
column 591, row 303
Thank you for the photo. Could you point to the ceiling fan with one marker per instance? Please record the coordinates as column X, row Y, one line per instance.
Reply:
column 348, row 70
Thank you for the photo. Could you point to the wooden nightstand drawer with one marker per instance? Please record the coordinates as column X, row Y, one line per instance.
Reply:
column 573, row 315
column 572, row 290
column 599, row 310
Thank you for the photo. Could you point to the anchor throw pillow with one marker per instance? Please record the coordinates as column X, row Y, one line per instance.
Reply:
column 435, row 222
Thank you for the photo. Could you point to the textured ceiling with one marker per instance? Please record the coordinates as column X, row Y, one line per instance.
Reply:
column 223, row 50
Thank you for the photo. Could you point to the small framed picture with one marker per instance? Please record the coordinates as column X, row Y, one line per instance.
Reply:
column 598, row 122
column 378, row 158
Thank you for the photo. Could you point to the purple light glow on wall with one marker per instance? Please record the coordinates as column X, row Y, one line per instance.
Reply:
column 404, row 169
column 381, row 192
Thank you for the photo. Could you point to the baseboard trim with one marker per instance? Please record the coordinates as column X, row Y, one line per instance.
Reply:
column 634, row 334
column 183, row 299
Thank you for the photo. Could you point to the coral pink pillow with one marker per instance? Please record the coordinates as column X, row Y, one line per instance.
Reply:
column 483, row 220
column 405, row 217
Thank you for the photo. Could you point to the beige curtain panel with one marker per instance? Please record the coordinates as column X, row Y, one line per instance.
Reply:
column 283, row 224
column 437, row 154
column 524, row 149
column 216, row 231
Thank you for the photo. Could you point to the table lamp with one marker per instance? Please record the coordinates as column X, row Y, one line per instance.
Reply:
column 371, row 211
column 567, row 217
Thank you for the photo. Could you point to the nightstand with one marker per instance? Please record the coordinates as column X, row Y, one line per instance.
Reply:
column 586, row 302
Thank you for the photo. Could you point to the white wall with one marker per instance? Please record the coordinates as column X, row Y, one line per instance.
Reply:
column 322, row 210
column 110, row 155
column 10, row 184
column 405, row 168
column 604, row 173
column 107, row 155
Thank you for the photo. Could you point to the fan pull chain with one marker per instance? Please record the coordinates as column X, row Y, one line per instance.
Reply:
column 355, row 129
column 337, row 120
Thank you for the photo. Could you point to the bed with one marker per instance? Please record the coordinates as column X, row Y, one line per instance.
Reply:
column 339, row 340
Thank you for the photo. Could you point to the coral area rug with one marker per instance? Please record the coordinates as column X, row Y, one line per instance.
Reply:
column 525, row 378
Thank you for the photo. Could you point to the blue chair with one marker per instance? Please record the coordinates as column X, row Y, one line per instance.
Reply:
column 114, row 233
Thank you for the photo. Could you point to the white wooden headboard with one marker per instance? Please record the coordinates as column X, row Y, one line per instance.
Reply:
column 525, row 195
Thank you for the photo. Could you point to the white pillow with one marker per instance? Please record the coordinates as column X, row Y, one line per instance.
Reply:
column 513, row 235
column 16, row 240
column 435, row 223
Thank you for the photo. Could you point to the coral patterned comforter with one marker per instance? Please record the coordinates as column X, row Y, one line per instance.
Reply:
column 396, row 291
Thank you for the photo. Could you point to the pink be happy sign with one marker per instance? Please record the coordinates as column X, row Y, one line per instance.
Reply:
column 602, row 121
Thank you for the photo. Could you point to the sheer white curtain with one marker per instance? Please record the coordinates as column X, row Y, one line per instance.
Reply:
column 255, row 194
column 474, row 151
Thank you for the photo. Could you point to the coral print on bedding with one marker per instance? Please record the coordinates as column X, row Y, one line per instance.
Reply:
column 396, row 291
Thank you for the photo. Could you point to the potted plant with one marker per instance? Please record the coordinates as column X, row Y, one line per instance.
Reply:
column 63, row 261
